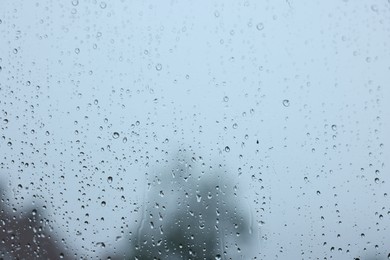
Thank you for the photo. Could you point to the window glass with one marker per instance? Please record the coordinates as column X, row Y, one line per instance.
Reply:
column 194, row 129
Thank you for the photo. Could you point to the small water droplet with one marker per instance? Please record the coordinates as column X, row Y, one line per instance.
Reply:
column 227, row 149
column 103, row 5
column 75, row 2
column 109, row 179
column 260, row 26
column 115, row 135
column 158, row 67
column 334, row 127
column 286, row 102
column 101, row 244
column 124, row 140
column 103, row 203
column 225, row 99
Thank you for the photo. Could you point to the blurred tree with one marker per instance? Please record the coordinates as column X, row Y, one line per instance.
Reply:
column 26, row 234
column 192, row 216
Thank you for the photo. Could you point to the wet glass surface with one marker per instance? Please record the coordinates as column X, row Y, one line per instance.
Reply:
column 194, row 130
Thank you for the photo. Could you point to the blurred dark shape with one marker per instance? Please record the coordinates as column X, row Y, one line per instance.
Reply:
column 26, row 234
column 373, row 256
column 191, row 216
column 184, row 215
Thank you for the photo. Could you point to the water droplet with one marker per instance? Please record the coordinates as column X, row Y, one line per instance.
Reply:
column 77, row 50
column 124, row 140
column 218, row 257
column 9, row 144
column 260, row 26
column 103, row 203
column 103, row 5
column 109, row 179
column 376, row 180
column 75, row 2
column 227, row 149
column 115, row 135
column 96, row 101
column 235, row 126
column 225, row 99
column 334, row 127
column 158, row 67
column 198, row 197
column 286, row 102
column 101, row 244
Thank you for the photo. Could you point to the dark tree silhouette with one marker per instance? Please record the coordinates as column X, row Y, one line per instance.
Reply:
column 192, row 216
column 25, row 234
column 184, row 215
